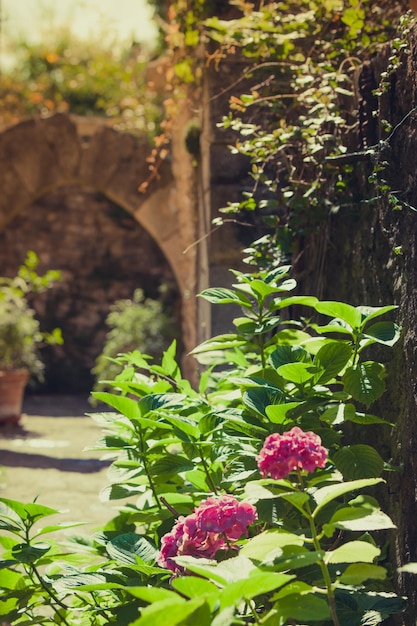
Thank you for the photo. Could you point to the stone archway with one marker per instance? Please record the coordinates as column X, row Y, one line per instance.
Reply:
column 38, row 156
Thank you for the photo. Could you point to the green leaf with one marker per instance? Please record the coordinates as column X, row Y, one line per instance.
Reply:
column 171, row 464
column 155, row 594
column 365, row 381
column 217, row 295
column 289, row 354
column 126, row 406
column 174, row 612
column 30, row 553
column 353, row 552
column 357, row 573
column 340, row 310
column 219, row 343
column 193, row 587
column 302, row 608
column 119, row 491
column 257, row 400
column 126, row 547
column 329, row 493
column 228, row 571
column 291, row 300
column 185, row 426
column 17, row 511
column 260, row 546
column 371, row 312
column 155, row 401
column 409, row 568
column 198, row 479
column 339, row 413
column 245, row 325
column 277, row 413
column 297, row 373
column 332, row 358
column 225, row 617
column 256, row 584
column 359, row 518
column 386, row 333
column 358, row 461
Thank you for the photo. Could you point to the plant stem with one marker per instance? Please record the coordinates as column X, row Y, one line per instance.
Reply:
column 210, row 481
column 49, row 591
column 322, row 563
column 147, row 470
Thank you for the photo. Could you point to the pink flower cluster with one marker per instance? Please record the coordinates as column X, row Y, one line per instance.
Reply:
column 281, row 454
column 214, row 523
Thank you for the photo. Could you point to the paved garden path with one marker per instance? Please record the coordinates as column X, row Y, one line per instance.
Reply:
column 44, row 457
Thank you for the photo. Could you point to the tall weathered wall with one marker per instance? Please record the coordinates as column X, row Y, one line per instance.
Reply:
column 370, row 257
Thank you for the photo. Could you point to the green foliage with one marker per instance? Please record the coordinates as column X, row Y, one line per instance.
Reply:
column 310, row 557
column 133, row 324
column 95, row 77
column 20, row 334
column 293, row 119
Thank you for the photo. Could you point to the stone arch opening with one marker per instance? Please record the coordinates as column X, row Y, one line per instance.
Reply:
column 40, row 156
column 103, row 254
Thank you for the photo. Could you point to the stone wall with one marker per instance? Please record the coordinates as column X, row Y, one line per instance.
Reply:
column 103, row 255
column 71, row 182
column 370, row 257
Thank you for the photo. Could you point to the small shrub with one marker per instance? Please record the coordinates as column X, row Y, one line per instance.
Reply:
column 134, row 324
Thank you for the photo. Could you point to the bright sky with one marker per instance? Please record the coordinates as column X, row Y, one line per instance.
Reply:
column 31, row 19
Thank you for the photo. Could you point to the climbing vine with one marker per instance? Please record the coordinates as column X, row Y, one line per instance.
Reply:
column 292, row 108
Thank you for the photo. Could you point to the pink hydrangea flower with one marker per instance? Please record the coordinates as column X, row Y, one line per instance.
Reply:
column 226, row 515
column 281, row 454
column 213, row 524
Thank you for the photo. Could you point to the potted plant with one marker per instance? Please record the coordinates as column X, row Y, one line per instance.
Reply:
column 20, row 335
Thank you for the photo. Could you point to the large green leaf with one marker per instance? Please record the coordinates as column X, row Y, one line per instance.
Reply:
column 358, row 461
column 277, row 413
column 30, row 553
column 228, row 571
column 338, row 413
column 126, row 547
column 245, row 325
column 155, row 401
column 219, row 343
column 365, row 381
column 297, row 373
column 386, row 333
column 340, row 310
column 332, row 358
column 302, row 608
column 125, row 406
column 256, row 584
column 360, row 518
column 291, row 300
column 353, row 552
column 217, row 295
column 327, row 494
column 357, row 573
column 260, row 546
column 16, row 511
column 171, row 464
column 193, row 587
column 175, row 612
column 289, row 354
column 371, row 312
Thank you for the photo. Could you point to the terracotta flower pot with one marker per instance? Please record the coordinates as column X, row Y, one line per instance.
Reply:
column 12, row 387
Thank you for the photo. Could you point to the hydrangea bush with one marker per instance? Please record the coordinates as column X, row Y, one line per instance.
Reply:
column 240, row 502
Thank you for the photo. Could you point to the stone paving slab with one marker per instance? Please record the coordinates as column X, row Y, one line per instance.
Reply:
column 44, row 457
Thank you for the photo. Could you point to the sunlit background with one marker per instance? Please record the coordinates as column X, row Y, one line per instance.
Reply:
column 33, row 20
